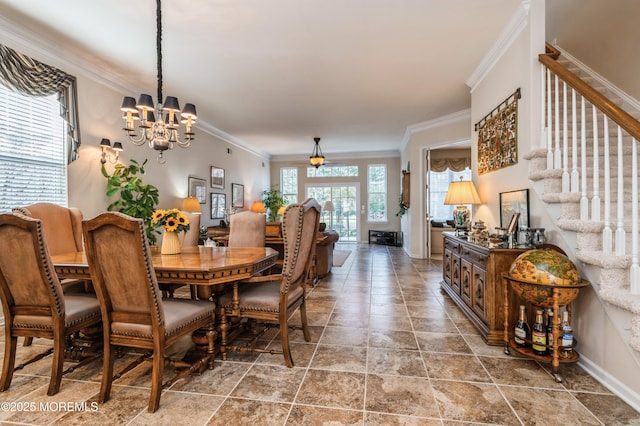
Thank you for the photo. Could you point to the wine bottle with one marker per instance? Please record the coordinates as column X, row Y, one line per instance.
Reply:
column 550, row 331
column 539, row 335
column 522, row 329
column 567, row 336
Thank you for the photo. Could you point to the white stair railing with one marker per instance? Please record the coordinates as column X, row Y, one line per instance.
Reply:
column 587, row 179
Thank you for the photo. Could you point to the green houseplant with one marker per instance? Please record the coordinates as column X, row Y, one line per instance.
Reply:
column 135, row 198
column 273, row 200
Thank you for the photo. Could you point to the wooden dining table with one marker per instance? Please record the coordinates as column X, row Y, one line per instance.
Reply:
column 207, row 267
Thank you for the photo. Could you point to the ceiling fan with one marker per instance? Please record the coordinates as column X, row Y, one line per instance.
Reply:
column 316, row 159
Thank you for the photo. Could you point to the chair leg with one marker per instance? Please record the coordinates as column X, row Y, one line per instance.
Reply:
column 284, row 337
column 107, row 371
column 10, row 346
column 27, row 341
column 156, row 378
column 303, row 320
column 57, row 363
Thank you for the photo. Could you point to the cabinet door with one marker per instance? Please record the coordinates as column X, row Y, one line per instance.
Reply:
column 455, row 273
column 446, row 267
column 478, row 292
column 465, row 281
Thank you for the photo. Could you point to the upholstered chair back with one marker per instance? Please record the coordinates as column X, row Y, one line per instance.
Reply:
column 299, row 231
column 247, row 229
column 193, row 234
column 62, row 226
column 27, row 276
column 124, row 278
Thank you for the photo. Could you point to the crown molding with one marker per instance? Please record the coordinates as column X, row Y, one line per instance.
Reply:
column 455, row 117
column 514, row 27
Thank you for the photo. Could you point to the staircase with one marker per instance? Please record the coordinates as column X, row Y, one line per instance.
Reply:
column 587, row 175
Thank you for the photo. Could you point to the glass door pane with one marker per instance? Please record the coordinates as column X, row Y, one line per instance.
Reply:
column 345, row 198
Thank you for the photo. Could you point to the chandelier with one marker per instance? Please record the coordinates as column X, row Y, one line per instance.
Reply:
column 316, row 159
column 159, row 125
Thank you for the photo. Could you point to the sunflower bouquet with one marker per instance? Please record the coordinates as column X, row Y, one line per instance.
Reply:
column 173, row 220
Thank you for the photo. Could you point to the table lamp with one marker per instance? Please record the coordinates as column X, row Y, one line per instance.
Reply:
column 192, row 205
column 258, row 207
column 459, row 194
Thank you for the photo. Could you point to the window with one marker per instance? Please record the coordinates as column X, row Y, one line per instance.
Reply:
column 439, row 186
column 33, row 164
column 331, row 171
column 289, row 184
column 377, row 190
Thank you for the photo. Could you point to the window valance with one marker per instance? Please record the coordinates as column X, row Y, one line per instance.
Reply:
column 454, row 164
column 30, row 77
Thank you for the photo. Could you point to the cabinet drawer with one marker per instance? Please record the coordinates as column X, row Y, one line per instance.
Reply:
column 452, row 245
column 476, row 257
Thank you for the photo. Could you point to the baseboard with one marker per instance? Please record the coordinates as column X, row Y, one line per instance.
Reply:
column 614, row 385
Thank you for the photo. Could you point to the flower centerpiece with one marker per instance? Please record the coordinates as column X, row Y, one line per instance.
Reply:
column 174, row 222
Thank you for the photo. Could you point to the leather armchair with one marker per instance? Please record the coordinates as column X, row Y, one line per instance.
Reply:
column 324, row 253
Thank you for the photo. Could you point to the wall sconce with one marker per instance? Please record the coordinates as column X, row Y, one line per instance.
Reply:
column 105, row 144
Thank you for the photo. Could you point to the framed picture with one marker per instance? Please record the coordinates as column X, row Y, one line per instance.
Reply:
column 197, row 188
column 514, row 202
column 217, row 177
column 237, row 195
column 218, row 204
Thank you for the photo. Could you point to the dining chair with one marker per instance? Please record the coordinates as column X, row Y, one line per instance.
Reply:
column 247, row 229
column 62, row 227
column 133, row 311
column 274, row 298
column 33, row 303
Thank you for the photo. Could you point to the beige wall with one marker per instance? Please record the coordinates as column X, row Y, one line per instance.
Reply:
column 601, row 34
column 393, row 187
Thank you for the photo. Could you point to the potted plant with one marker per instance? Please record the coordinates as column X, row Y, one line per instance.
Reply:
column 135, row 198
column 273, row 200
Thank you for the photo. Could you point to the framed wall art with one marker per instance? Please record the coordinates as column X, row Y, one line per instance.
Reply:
column 513, row 202
column 217, row 177
column 218, row 205
column 197, row 188
column 498, row 136
column 237, row 195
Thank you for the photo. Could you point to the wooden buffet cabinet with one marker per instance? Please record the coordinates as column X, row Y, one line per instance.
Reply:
column 472, row 277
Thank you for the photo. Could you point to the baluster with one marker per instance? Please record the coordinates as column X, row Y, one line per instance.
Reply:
column 549, row 123
column 565, row 137
column 557, row 159
column 595, row 199
column 635, row 268
column 607, row 238
column 575, row 175
column 584, row 202
column 620, row 236
column 543, row 95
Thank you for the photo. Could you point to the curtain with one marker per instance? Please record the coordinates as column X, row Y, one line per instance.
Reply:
column 29, row 77
column 455, row 164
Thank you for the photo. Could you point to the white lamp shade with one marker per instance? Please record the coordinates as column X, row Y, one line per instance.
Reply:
column 328, row 206
column 462, row 192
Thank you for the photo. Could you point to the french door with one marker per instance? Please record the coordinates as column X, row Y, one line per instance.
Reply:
column 345, row 198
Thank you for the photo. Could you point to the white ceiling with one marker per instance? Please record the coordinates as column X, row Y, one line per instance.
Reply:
column 275, row 73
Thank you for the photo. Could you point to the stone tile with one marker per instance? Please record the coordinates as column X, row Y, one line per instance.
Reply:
column 270, row 383
column 397, row 420
column 576, row 379
column 349, row 319
column 393, row 309
column 520, row 372
column 479, row 347
column 455, row 367
column 387, row 298
column 178, row 408
column 300, row 352
column 341, row 358
column 250, row 412
column 395, row 362
column 436, row 325
column 345, row 336
column 442, row 342
column 473, row 402
column 385, row 322
column 392, row 339
column 336, row 389
column 410, row 396
column 308, row 415
column 220, row 381
column 608, row 408
column 558, row 407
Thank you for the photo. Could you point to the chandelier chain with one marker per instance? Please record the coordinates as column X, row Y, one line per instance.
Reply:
column 159, row 47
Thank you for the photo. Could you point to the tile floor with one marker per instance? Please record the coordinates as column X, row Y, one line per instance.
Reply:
column 388, row 347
